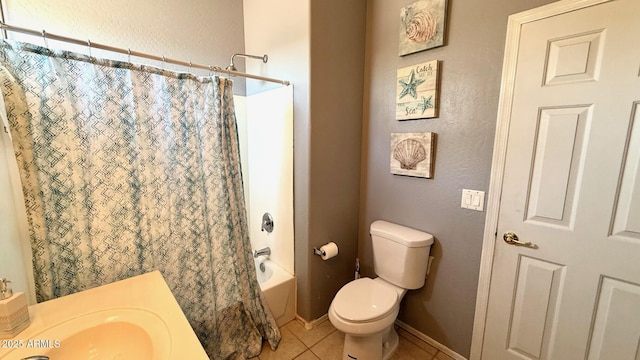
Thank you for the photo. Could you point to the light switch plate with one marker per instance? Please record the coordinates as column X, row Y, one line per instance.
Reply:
column 472, row 199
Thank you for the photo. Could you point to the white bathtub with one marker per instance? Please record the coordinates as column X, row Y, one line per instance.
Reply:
column 279, row 289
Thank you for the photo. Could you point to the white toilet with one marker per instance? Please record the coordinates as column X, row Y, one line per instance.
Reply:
column 365, row 309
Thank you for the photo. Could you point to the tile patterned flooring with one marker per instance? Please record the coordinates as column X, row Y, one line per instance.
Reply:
column 324, row 342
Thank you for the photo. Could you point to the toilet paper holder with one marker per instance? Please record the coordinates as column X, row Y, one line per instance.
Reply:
column 326, row 251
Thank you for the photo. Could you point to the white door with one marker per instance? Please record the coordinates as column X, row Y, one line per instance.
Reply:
column 571, row 187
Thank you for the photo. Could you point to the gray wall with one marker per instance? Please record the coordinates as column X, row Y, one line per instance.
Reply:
column 337, row 77
column 470, row 83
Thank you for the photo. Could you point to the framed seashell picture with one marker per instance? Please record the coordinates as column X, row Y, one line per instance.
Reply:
column 422, row 26
column 412, row 154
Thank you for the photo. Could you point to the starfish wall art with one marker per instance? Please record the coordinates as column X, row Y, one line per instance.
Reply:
column 417, row 91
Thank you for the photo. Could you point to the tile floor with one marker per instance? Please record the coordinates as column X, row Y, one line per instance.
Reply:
column 324, row 342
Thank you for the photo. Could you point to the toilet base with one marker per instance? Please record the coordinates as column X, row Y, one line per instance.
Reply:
column 390, row 344
column 378, row 346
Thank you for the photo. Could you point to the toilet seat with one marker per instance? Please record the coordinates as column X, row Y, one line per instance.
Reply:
column 364, row 300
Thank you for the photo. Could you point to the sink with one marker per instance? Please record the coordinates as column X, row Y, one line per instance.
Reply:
column 120, row 333
column 137, row 318
column 110, row 341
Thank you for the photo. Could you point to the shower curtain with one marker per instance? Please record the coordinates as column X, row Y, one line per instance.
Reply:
column 127, row 169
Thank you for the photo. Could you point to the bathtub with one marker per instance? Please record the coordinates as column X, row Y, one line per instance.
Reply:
column 279, row 289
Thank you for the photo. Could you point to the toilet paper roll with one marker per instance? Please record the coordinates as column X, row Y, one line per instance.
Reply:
column 329, row 250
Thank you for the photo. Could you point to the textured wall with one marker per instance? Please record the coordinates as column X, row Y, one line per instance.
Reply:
column 201, row 31
column 471, row 70
column 337, row 76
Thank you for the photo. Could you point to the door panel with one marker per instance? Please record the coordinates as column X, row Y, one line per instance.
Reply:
column 626, row 221
column 574, row 58
column 571, row 187
column 557, row 160
column 617, row 323
column 538, row 290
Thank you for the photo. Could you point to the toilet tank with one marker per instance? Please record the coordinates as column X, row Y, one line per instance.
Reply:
column 400, row 254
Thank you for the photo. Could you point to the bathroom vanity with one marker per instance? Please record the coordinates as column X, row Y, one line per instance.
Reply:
column 136, row 318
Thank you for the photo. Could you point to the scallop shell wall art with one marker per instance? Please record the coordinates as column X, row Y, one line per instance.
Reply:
column 412, row 154
column 422, row 26
column 417, row 91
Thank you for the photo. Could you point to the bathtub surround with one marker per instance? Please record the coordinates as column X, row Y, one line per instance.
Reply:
column 265, row 127
column 279, row 289
column 269, row 163
column 128, row 169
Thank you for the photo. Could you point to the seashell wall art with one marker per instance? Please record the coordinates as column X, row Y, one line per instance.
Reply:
column 422, row 26
column 412, row 154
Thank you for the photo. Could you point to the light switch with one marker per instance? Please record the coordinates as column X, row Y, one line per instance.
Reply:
column 476, row 200
column 472, row 199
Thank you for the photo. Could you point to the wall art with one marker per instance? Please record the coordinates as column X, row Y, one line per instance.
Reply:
column 412, row 154
column 422, row 26
column 417, row 91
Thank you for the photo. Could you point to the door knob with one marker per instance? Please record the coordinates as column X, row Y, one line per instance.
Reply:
column 512, row 239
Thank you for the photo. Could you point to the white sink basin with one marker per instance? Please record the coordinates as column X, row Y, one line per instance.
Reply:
column 137, row 318
column 109, row 341
column 111, row 334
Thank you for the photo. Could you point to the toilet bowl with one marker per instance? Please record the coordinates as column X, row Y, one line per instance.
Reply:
column 366, row 309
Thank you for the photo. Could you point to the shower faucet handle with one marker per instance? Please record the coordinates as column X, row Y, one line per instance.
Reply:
column 267, row 223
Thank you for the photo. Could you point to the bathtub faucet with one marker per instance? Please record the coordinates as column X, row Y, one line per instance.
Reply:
column 265, row 251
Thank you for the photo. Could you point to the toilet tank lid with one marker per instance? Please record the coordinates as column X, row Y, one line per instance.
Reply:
column 401, row 234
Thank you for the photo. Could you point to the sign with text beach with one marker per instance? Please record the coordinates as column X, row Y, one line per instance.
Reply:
column 417, row 91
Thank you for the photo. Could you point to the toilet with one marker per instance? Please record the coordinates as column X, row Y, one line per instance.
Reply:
column 365, row 309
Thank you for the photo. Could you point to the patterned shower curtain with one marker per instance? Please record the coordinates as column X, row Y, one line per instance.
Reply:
column 128, row 169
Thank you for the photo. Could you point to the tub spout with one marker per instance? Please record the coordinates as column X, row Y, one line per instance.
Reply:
column 265, row 251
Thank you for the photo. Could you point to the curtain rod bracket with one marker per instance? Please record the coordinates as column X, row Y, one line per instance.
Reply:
column 232, row 65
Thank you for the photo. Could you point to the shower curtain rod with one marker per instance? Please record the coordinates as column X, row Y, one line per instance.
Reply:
column 45, row 35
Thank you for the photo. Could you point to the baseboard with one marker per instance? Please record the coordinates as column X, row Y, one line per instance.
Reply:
column 311, row 324
column 415, row 332
column 408, row 328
